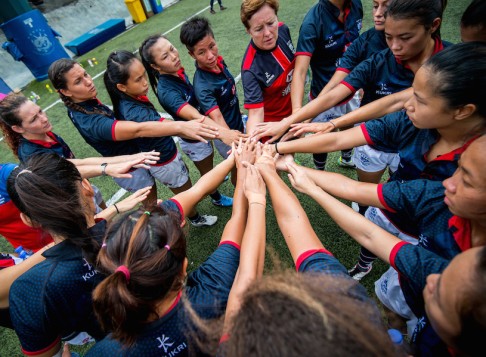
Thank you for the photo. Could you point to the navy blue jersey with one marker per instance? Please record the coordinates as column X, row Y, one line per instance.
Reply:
column 395, row 133
column 218, row 90
column 367, row 44
column 382, row 74
column 141, row 110
column 421, row 203
column 414, row 264
column 207, row 291
column 267, row 75
column 98, row 130
column 325, row 38
column 175, row 92
column 52, row 300
column 27, row 148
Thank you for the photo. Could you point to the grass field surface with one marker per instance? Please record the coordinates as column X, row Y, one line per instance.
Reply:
column 232, row 40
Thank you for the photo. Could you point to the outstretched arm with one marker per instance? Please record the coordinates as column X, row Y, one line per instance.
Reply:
column 196, row 129
column 309, row 111
column 252, row 254
column 291, row 217
column 188, row 112
column 205, row 185
column 376, row 109
column 149, row 157
column 328, row 142
column 116, row 169
column 339, row 185
column 366, row 233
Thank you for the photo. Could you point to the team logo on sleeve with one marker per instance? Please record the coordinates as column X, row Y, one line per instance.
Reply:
column 330, row 42
column 383, row 89
column 165, row 343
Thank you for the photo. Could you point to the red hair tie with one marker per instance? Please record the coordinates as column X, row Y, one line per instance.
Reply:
column 125, row 272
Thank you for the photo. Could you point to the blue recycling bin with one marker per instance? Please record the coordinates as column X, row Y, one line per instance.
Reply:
column 32, row 41
column 156, row 6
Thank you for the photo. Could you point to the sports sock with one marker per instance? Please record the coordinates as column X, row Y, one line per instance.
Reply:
column 320, row 161
column 366, row 258
column 196, row 217
column 346, row 154
column 215, row 196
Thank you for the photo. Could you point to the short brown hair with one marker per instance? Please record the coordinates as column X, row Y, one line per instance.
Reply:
column 249, row 7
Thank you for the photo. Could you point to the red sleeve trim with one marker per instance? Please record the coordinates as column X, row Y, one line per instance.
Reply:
column 180, row 108
column 58, row 339
column 181, row 210
column 303, row 54
column 381, row 197
column 349, row 86
column 234, row 244
column 211, row 110
column 161, row 119
column 280, row 24
column 343, row 70
column 224, row 338
column 254, row 106
column 366, row 134
column 113, row 136
column 307, row 254
column 394, row 252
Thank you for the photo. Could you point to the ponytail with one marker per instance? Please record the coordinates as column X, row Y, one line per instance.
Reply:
column 117, row 72
column 143, row 256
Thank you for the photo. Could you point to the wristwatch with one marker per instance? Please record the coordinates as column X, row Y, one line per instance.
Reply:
column 103, row 168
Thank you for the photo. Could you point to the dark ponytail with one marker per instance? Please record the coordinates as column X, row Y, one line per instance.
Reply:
column 147, row 59
column 117, row 71
column 152, row 249
column 424, row 11
column 57, row 75
column 47, row 190
column 458, row 74
column 9, row 116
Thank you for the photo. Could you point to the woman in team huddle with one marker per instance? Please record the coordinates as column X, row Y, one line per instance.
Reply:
column 52, row 301
column 176, row 95
column 268, row 63
column 448, row 296
column 411, row 31
column 328, row 28
column 443, row 117
column 100, row 128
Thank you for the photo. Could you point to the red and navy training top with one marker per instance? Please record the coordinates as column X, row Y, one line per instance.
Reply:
column 267, row 75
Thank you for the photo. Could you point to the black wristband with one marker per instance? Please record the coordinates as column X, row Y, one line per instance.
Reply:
column 103, row 169
column 117, row 210
column 276, row 148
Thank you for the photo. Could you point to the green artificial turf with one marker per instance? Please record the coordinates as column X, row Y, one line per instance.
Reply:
column 232, row 40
